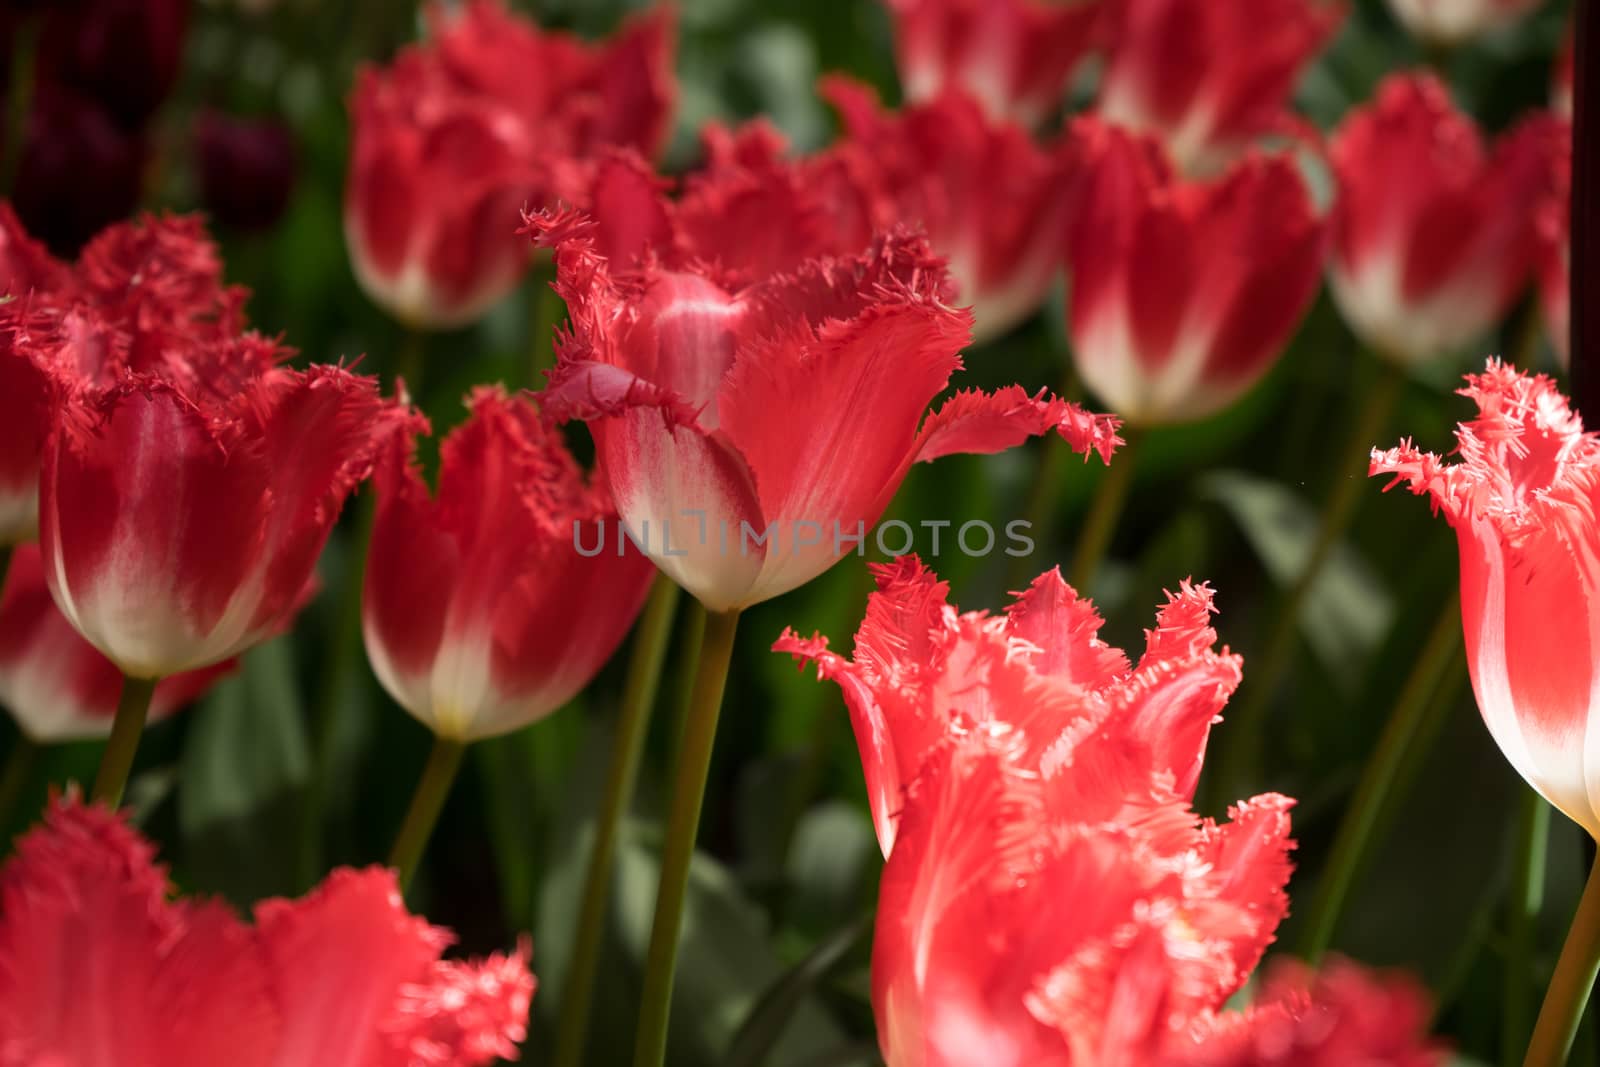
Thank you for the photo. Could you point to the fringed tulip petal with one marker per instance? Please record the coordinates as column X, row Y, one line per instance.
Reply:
column 1522, row 502
column 762, row 404
column 99, row 969
column 469, row 599
column 1050, row 899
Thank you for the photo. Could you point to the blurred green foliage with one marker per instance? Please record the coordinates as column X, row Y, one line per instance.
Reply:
column 789, row 858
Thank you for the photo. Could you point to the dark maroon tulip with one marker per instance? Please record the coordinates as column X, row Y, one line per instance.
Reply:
column 124, row 54
column 246, row 169
column 78, row 173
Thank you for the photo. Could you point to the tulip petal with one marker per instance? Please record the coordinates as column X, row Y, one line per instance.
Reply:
column 975, row 422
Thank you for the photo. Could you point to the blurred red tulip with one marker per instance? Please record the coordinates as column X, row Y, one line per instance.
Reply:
column 78, row 171
column 1555, row 242
column 769, row 418
column 1450, row 22
column 246, row 169
column 1183, row 293
column 1434, row 236
column 991, row 200
column 1017, row 57
column 1340, row 1017
column 1050, row 898
column 52, row 681
column 1523, row 504
column 1211, row 79
column 460, row 133
column 480, row 614
column 1561, row 78
column 344, row 977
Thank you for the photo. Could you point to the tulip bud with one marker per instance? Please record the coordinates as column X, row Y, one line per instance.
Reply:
column 990, row 199
column 1016, row 57
column 1209, row 79
column 1434, row 235
column 1183, row 293
column 459, row 134
column 481, row 615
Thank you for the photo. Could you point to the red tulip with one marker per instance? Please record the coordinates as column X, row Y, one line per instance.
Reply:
column 56, row 685
column 751, row 424
column 1049, row 899
column 1449, row 22
column 141, row 295
column 480, row 614
column 1554, row 221
column 991, row 200
column 24, row 422
column 1183, row 293
column 1522, row 502
column 1561, row 78
column 1340, row 1017
column 1433, row 235
column 1016, row 57
column 1211, row 79
column 458, row 135
column 344, row 977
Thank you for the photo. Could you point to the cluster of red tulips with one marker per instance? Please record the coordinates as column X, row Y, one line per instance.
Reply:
column 761, row 349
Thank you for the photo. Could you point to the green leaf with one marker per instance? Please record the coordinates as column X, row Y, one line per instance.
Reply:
column 1348, row 609
column 771, row 1016
column 725, row 959
column 244, row 765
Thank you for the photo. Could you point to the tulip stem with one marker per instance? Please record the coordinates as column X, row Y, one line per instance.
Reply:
column 1242, row 756
column 116, row 762
column 408, row 361
column 1356, row 836
column 1569, row 990
column 1105, row 510
column 1527, row 898
column 438, row 775
column 5, row 565
column 544, row 310
column 14, row 778
column 683, row 823
column 645, row 661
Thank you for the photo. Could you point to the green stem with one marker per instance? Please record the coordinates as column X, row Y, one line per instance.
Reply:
column 683, row 823
column 544, row 311
column 24, row 54
column 5, row 564
column 692, row 637
column 1569, row 990
column 1527, row 898
column 1241, row 757
column 14, row 778
column 1356, row 837
column 1110, row 496
column 408, row 361
column 638, row 700
column 432, row 788
column 116, row 762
